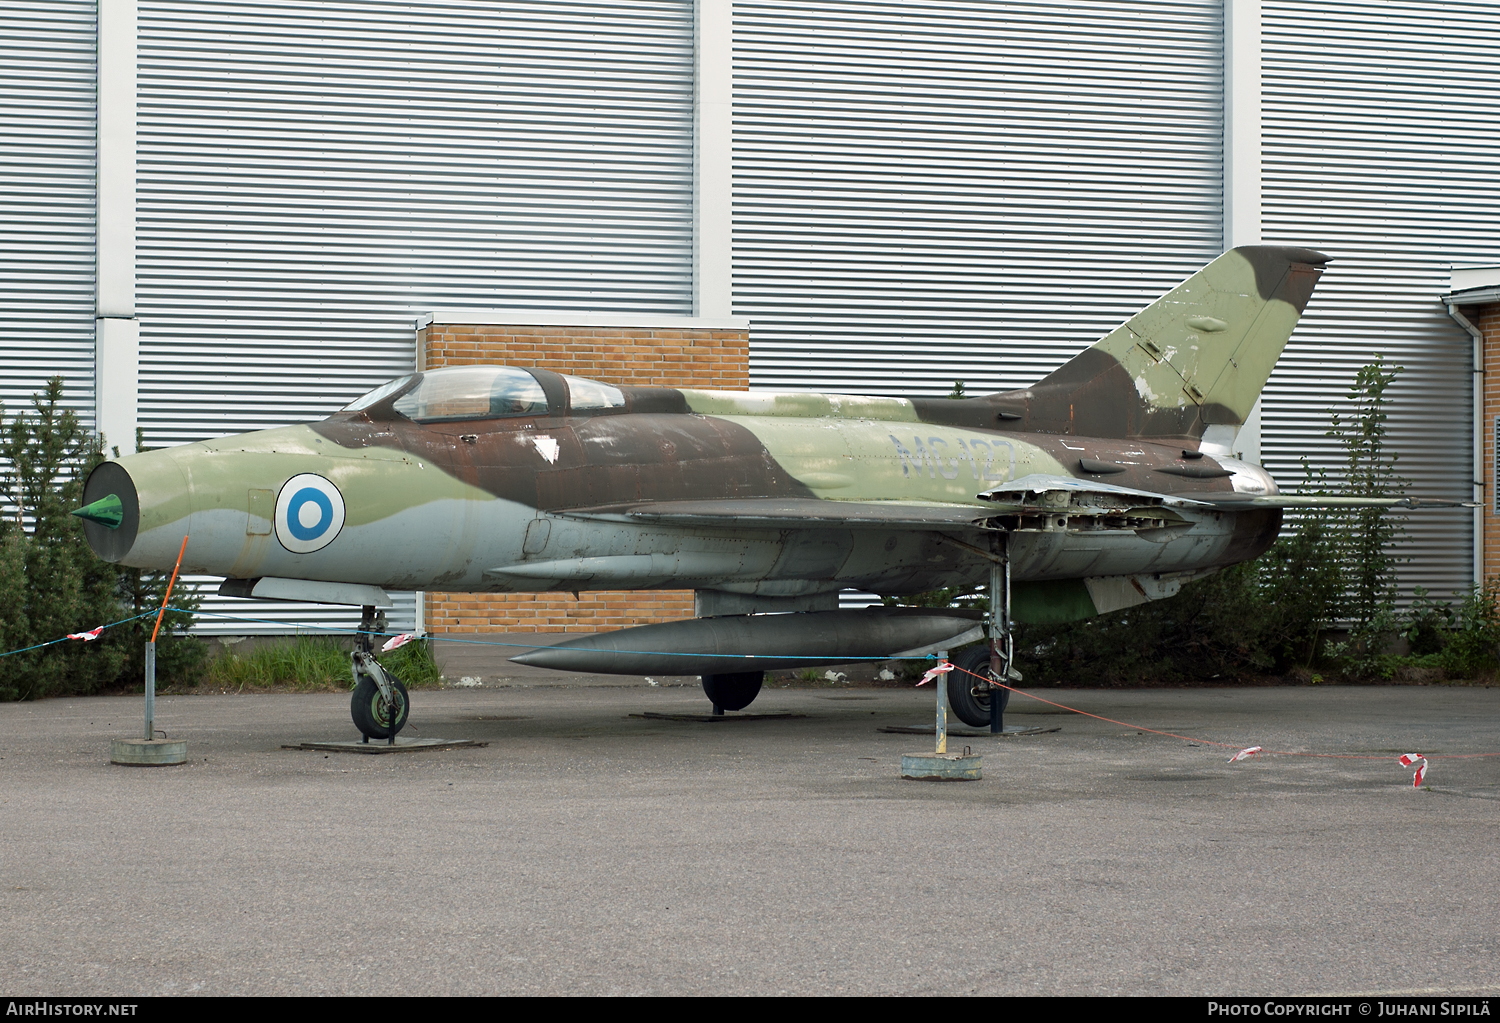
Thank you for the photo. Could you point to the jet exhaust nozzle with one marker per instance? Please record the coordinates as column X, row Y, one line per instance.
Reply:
column 112, row 512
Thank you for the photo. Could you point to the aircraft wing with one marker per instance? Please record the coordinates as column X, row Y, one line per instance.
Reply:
column 1018, row 492
column 1039, row 484
column 794, row 512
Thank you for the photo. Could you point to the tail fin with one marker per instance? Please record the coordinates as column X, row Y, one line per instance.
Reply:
column 1196, row 357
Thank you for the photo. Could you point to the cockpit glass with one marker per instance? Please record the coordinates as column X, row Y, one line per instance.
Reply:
column 590, row 394
column 381, row 392
column 473, row 392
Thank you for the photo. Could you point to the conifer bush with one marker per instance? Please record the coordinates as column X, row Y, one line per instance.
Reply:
column 51, row 582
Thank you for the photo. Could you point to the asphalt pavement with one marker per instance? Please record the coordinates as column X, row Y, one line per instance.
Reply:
column 587, row 851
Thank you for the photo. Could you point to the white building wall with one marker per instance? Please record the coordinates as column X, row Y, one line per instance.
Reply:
column 47, row 95
column 930, row 192
column 313, row 176
column 1380, row 149
column 923, row 193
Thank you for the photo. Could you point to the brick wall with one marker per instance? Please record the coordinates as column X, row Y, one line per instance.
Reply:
column 1488, row 321
column 671, row 357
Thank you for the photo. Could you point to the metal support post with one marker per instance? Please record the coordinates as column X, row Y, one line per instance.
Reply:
column 150, row 750
column 941, row 730
column 150, row 690
column 1001, row 641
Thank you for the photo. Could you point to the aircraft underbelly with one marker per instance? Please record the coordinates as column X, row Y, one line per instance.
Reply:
column 1042, row 555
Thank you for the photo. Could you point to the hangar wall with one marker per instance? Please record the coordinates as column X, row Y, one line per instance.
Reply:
column 47, row 130
column 313, row 177
column 1379, row 148
column 974, row 191
column 922, row 193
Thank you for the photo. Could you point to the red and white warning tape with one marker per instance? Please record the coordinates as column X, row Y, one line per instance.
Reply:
column 932, row 673
column 1241, row 752
column 397, row 641
column 89, row 636
column 1409, row 759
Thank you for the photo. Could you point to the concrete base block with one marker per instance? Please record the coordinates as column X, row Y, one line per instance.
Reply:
column 148, row 752
column 940, row 766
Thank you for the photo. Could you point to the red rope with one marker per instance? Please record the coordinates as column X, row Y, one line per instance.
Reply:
column 1210, row 742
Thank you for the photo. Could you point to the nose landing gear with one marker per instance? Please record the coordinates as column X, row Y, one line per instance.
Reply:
column 379, row 705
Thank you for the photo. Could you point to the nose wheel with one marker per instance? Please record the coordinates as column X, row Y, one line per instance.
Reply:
column 379, row 705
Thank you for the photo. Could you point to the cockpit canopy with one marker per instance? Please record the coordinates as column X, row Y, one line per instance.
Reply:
column 484, row 392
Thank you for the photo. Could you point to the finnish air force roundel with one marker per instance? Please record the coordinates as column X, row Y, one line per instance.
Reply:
column 309, row 513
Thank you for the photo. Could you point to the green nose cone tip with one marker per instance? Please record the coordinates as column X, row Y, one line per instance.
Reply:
column 107, row 511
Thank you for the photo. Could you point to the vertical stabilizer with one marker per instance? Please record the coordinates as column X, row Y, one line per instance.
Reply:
column 1196, row 357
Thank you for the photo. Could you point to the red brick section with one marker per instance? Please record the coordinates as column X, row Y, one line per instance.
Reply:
column 1488, row 321
column 677, row 357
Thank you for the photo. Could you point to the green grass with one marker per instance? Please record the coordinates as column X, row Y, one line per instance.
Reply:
column 313, row 663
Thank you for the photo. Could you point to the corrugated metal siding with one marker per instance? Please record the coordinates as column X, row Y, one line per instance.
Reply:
column 927, row 192
column 314, row 175
column 47, row 129
column 1381, row 149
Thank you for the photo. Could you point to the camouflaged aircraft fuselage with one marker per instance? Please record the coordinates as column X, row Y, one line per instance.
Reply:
column 764, row 495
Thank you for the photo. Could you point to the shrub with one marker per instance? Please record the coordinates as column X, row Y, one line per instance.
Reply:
column 51, row 583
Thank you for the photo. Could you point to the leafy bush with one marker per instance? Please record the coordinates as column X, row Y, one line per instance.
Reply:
column 1262, row 616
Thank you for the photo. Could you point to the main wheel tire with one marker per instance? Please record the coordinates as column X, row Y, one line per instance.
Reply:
column 734, row 691
column 372, row 716
column 969, row 696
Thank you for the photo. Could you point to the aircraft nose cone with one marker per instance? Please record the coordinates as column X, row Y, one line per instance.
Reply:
column 112, row 511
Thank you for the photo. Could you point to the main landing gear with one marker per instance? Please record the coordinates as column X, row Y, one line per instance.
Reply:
column 734, row 691
column 971, row 690
column 379, row 705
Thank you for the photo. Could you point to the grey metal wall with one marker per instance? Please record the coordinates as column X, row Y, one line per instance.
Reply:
column 927, row 192
column 47, row 95
column 313, row 175
column 1381, row 149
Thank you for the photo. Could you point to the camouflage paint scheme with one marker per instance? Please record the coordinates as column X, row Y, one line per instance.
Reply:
column 778, row 497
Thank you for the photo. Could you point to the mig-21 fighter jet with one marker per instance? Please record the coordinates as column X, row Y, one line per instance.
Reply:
column 1108, row 483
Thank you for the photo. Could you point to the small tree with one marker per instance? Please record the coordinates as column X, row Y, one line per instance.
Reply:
column 51, row 582
column 63, row 586
column 1368, row 537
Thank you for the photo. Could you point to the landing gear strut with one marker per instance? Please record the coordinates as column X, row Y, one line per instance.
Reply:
column 371, row 624
column 975, row 700
column 733, row 691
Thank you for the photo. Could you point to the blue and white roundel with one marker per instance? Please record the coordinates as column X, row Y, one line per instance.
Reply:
column 309, row 513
